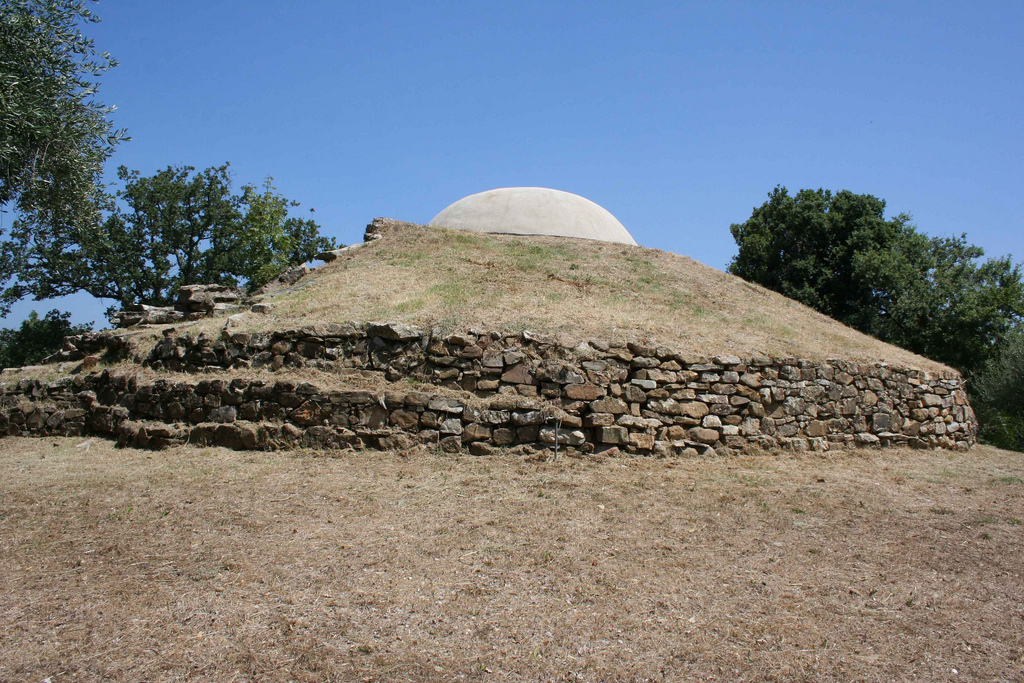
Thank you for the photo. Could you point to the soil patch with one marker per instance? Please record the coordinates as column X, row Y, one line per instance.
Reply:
column 208, row 564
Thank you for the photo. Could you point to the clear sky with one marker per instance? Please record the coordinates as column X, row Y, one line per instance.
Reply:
column 677, row 117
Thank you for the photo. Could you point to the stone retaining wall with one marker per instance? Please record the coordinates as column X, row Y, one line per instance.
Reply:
column 500, row 390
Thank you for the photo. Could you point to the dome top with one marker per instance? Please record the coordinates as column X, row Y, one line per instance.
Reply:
column 533, row 211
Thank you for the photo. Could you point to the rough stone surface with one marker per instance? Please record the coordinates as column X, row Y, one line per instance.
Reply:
column 193, row 302
column 538, row 393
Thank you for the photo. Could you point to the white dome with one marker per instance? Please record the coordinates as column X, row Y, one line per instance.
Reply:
column 533, row 211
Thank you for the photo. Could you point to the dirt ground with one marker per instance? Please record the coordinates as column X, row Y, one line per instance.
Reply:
column 207, row 564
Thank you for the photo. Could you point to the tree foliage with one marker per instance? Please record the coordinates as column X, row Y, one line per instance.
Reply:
column 36, row 339
column 839, row 254
column 997, row 394
column 54, row 136
column 173, row 228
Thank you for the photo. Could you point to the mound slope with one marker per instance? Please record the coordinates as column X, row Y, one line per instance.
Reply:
column 570, row 289
column 423, row 336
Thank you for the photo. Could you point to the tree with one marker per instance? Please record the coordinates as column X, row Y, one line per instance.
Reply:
column 997, row 395
column 55, row 135
column 36, row 339
column 174, row 228
column 839, row 254
column 269, row 241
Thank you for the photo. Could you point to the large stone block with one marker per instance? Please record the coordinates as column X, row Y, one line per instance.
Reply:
column 476, row 432
column 707, row 436
column 584, row 392
column 405, row 419
column 817, row 428
column 616, row 435
column 518, row 374
column 564, row 437
column 614, row 406
column 694, row 409
column 641, row 441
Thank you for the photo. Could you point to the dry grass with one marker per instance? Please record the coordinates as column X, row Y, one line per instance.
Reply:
column 573, row 289
column 218, row 565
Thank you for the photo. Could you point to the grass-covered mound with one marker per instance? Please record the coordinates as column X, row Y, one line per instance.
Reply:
column 572, row 289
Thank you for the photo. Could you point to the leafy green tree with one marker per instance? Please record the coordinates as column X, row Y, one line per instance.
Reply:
column 55, row 135
column 839, row 254
column 36, row 339
column 268, row 241
column 997, row 394
column 173, row 228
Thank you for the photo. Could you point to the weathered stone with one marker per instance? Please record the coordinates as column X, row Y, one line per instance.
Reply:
column 461, row 339
column 866, row 439
column 641, row 441
column 503, row 437
column 452, row 425
column 531, row 417
column 450, row 444
column 584, row 392
column 817, row 428
column 405, row 419
column 495, row 417
column 634, row 394
column 512, row 357
column 518, row 374
column 393, row 331
column 750, row 427
column 564, row 437
column 707, row 436
column 662, row 376
column 480, row 448
column 492, row 361
column 614, row 406
column 476, row 432
column 223, row 414
column 694, row 409
column 445, row 405
column 599, row 420
column 616, row 435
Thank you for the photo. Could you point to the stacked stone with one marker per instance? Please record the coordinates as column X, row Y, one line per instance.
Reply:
column 106, row 343
column 193, row 302
column 526, row 390
column 209, row 299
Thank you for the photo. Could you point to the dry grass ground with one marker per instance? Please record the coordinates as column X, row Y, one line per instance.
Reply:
column 205, row 564
column 573, row 289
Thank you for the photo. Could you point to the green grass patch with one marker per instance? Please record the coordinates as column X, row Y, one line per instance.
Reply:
column 453, row 292
column 529, row 258
column 408, row 306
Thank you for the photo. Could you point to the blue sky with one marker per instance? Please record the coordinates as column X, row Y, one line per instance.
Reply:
column 678, row 118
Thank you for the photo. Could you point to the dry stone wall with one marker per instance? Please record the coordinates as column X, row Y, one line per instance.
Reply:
column 480, row 390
